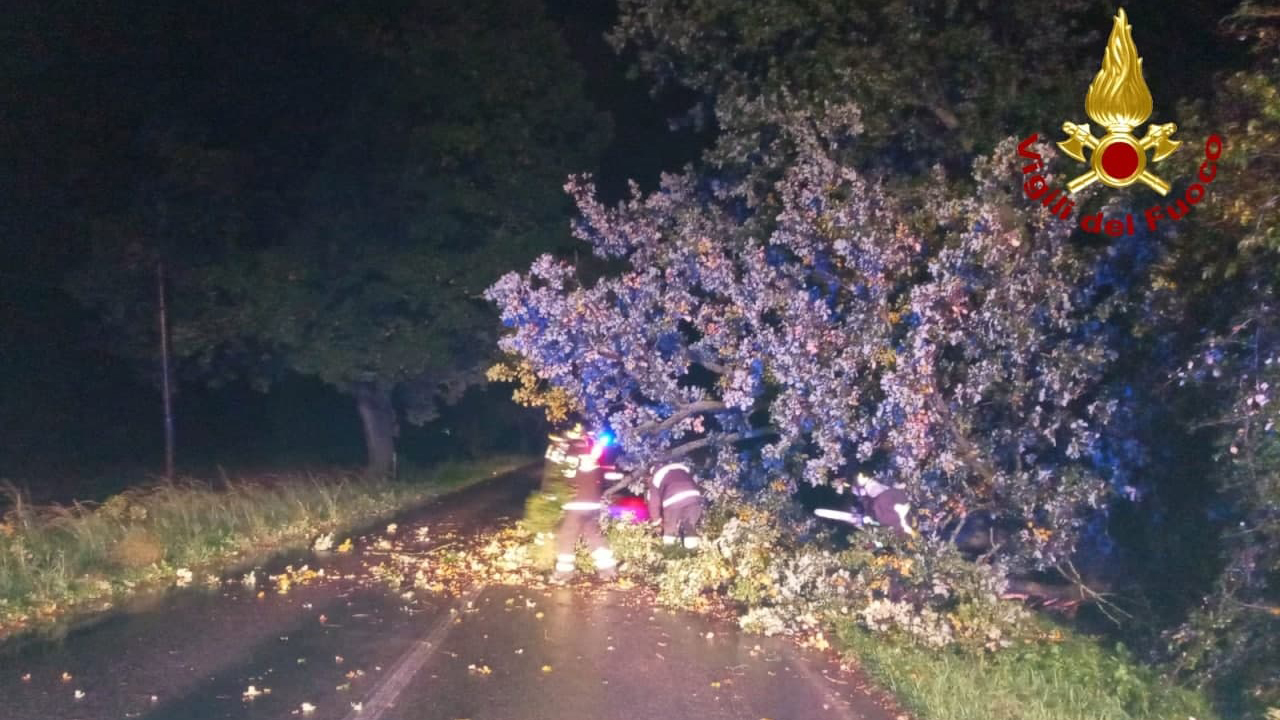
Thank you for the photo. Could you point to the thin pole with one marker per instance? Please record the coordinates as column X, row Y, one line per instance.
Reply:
column 166, row 393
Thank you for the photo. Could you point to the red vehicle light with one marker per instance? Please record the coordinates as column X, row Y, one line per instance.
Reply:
column 630, row 508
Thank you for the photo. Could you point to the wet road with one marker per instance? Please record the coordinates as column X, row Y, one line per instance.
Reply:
column 341, row 648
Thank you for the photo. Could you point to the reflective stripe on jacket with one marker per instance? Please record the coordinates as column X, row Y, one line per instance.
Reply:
column 668, row 482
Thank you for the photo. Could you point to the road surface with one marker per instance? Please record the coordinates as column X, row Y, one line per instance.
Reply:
column 344, row 648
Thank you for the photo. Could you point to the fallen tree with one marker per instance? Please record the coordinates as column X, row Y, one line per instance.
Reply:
column 959, row 349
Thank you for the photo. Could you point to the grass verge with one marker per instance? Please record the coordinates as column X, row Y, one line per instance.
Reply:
column 57, row 561
column 1072, row 679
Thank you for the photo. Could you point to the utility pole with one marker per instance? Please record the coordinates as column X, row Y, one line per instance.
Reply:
column 166, row 393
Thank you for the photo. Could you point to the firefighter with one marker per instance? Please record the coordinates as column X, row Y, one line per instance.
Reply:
column 582, row 515
column 674, row 500
column 887, row 506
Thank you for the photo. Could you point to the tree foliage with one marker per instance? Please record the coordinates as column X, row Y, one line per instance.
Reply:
column 957, row 350
column 1221, row 293
column 938, row 80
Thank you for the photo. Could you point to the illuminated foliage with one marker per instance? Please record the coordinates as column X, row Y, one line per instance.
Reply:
column 531, row 390
column 957, row 350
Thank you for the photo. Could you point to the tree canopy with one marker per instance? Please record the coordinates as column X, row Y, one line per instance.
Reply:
column 458, row 127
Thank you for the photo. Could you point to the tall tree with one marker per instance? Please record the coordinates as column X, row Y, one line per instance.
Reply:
column 1219, row 308
column 444, row 165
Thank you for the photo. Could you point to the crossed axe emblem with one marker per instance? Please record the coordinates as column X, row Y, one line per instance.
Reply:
column 1119, row 159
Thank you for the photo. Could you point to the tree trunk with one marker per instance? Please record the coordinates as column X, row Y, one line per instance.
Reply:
column 378, row 416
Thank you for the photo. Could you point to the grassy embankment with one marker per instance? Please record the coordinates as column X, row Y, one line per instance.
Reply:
column 1075, row 678
column 57, row 561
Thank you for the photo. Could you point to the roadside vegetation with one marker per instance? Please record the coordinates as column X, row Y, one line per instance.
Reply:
column 58, row 561
column 924, row 623
column 1067, row 677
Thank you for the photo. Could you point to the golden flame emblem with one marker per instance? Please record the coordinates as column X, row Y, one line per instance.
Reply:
column 1119, row 100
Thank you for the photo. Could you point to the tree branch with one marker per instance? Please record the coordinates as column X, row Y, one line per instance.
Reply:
column 685, row 449
column 691, row 409
column 702, row 359
column 682, row 450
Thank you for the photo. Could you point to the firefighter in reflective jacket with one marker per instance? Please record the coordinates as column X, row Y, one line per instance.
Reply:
column 582, row 516
column 674, row 498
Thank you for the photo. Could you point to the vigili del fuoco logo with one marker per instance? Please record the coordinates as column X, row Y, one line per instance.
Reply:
column 1119, row 102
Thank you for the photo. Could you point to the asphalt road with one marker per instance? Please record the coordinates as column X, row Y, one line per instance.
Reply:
column 342, row 648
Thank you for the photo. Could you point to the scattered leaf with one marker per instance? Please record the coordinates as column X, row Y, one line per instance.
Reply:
column 345, row 547
column 66, row 677
column 307, row 708
column 546, row 668
column 79, row 694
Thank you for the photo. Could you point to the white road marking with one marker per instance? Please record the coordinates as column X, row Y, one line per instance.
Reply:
column 385, row 693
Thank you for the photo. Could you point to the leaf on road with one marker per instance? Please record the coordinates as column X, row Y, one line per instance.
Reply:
column 324, row 543
column 345, row 547
column 546, row 668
